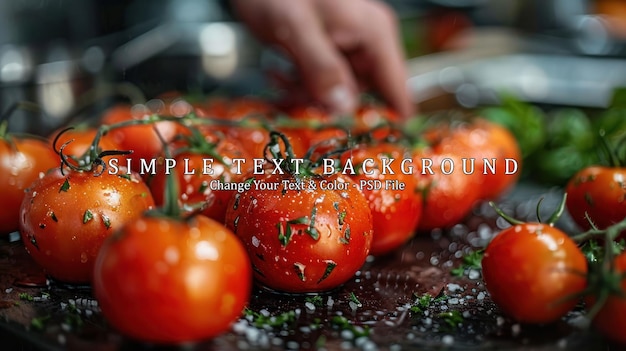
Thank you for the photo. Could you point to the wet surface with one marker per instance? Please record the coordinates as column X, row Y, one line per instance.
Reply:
column 377, row 310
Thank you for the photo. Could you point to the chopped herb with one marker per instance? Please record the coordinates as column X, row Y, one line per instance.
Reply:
column 278, row 321
column 354, row 299
column 330, row 265
column 342, row 323
column 38, row 323
column 346, row 237
column 315, row 300
column 299, row 267
column 312, row 231
column 470, row 261
column 283, row 235
column 106, row 220
column 451, row 318
column 235, row 222
column 286, row 232
column 336, row 205
column 236, row 202
column 125, row 176
column 73, row 318
column 66, row 186
column 203, row 186
column 342, row 217
column 53, row 216
column 26, row 297
column 87, row 216
column 423, row 302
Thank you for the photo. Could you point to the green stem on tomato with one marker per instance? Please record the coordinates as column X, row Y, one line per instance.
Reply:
column 23, row 105
column 196, row 143
column 274, row 150
column 611, row 232
column 556, row 214
column 88, row 161
column 170, row 197
column 509, row 219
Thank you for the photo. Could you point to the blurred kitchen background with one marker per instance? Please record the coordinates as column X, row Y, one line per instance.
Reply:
column 77, row 56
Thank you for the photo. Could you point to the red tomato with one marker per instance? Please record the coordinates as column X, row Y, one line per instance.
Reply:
column 450, row 188
column 64, row 218
column 531, row 269
column 491, row 147
column 320, row 134
column 599, row 192
column 256, row 113
column 610, row 320
column 200, row 185
column 374, row 119
column 392, row 193
column 22, row 161
column 164, row 280
column 141, row 139
column 307, row 239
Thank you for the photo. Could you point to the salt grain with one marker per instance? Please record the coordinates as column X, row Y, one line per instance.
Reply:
column 454, row 287
column 473, row 274
column 516, row 329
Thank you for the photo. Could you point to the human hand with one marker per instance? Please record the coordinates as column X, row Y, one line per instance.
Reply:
column 339, row 47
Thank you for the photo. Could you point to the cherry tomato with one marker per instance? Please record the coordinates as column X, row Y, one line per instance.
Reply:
column 532, row 272
column 392, row 192
column 65, row 217
column 320, row 134
column 302, row 233
column 610, row 320
column 491, row 148
column 450, row 188
column 172, row 281
column 253, row 136
column 200, row 172
column 142, row 139
column 22, row 161
column 599, row 192
column 374, row 119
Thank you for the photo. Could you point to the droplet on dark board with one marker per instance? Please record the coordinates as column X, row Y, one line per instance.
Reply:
column 32, row 281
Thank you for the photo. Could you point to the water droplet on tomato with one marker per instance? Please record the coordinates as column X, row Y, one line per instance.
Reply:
column 83, row 257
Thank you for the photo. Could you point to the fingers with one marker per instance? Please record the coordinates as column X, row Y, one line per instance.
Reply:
column 331, row 41
column 387, row 61
column 324, row 70
column 366, row 31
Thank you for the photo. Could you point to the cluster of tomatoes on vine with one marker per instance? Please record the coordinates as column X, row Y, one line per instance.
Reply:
column 182, row 248
column 536, row 273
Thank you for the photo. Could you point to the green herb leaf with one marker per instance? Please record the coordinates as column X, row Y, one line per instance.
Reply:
column 470, row 261
column 88, row 216
column 65, row 186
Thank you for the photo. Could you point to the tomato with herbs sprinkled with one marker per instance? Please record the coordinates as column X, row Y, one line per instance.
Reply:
column 304, row 232
column 66, row 215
